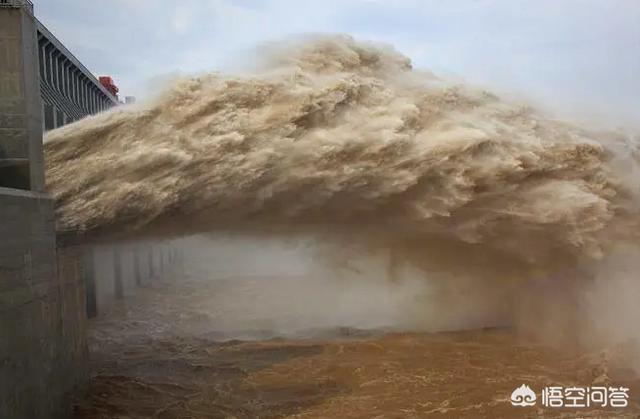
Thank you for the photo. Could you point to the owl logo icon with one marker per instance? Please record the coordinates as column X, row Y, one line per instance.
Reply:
column 523, row 396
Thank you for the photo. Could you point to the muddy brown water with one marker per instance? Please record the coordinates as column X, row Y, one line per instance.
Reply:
column 196, row 349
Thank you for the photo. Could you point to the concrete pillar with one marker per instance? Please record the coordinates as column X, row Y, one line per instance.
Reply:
column 59, row 117
column 117, row 269
column 86, row 95
column 162, row 261
column 74, row 85
column 77, row 83
column 90, row 283
column 83, row 97
column 152, row 271
column 20, row 102
column 69, row 72
column 60, row 73
column 56, row 70
column 136, row 266
column 79, row 88
column 49, row 117
column 40, row 324
column 41, row 61
column 71, row 86
column 65, row 78
column 61, row 62
column 50, row 66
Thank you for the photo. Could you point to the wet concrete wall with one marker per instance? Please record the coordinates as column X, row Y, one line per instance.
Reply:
column 43, row 348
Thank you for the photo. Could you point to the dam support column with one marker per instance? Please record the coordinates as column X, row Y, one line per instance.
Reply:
column 21, row 157
column 90, row 283
column 161, row 261
column 117, row 273
column 152, row 271
column 136, row 266
column 42, row 345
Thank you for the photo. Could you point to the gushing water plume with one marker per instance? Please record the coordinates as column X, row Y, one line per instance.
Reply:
column 338, row 137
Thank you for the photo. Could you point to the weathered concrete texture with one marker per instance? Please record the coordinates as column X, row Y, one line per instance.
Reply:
column 42, row 305
column 73, row 317
column 20, row 103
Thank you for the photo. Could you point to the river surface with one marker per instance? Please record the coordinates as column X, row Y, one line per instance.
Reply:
column 190, row 348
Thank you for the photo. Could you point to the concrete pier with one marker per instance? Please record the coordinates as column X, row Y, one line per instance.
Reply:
column 42, row 302
column 115, row 271
column 42, row 305
column 21, row 157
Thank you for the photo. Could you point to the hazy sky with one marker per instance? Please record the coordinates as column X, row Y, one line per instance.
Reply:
column 578, row 56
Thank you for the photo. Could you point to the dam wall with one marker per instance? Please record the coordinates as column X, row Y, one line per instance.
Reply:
column 43, row 350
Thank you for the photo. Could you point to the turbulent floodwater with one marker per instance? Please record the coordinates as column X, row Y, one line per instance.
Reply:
column 331, row 136
column 507, row 211
column 202, row 348
column 332, row 133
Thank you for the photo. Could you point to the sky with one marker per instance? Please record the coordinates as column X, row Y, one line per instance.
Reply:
column 577, row 58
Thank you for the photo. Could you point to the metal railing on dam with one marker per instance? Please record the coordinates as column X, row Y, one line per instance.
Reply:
column 68, row 89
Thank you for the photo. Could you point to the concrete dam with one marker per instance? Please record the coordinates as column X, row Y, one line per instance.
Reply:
column 50, row 281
